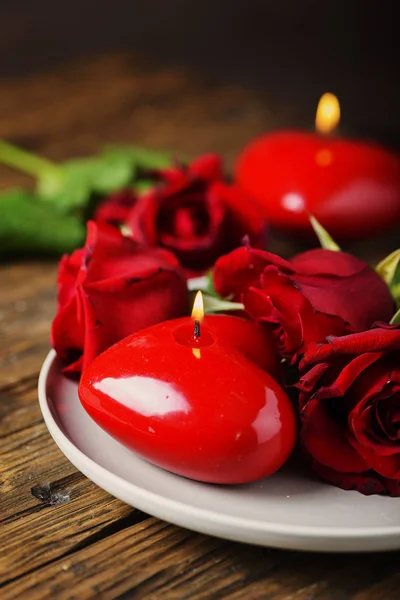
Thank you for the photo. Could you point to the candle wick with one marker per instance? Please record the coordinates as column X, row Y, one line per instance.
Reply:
column 196, row 331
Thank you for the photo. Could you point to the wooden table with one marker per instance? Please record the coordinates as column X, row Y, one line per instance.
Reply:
column 92, row 545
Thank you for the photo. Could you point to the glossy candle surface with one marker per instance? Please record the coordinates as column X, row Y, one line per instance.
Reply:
column 352, row 188
column 208, row 412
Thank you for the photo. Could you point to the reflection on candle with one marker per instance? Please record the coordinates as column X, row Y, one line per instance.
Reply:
column 267, row 424
column 147, row 396
column 293, row 202
column 324, row 158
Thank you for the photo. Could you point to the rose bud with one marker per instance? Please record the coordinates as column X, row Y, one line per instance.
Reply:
column 350, row 410
column 109, row 289
column 315, row 294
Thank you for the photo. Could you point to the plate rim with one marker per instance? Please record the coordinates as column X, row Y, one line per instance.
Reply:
column 203, row 515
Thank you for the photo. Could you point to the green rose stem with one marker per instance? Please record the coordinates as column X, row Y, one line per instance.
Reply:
column 24, row 161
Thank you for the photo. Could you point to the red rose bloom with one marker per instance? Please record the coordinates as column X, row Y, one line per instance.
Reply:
column 350, row 410
column 109, row 289
column 315, row 294
column 195, row 214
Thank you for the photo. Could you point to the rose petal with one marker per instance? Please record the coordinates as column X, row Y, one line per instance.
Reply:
column 111, row 255
column 340, row 284
column 367, row 428
column 67, row 330
column 392, row 487
column 359, row 300
column 374, row 340
column 242, row 267
column 234, row 272
column 278, row 304
column 68, row 270
column 322, row 262
column 115, row 209
column 388, row 466
column 207, row 167
column 354, row 369
column 309, row 380
column 325, row 439
column 366, row 483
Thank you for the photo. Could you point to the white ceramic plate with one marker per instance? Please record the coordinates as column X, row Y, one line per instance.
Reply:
column 288, row 510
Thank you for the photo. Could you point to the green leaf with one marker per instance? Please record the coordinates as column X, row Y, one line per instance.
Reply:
column 136, row 161
column 79, row 179
column 210, row 289
column 395, row 320
column 137, row 156
column 388, row 266
column 325, row 239
column 205, row 283
column 395, row 289
column 72, row 186
column 112, row 175
column 213, row 304
column 28, row 227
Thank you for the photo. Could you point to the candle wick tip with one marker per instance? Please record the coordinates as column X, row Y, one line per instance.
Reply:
column 196, row 329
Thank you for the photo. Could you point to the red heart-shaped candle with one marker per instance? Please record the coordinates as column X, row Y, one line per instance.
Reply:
column 351, row 187
column 202, row 407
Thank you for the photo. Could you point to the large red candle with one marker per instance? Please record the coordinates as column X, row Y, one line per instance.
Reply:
column 199, row 399
column 351, row 187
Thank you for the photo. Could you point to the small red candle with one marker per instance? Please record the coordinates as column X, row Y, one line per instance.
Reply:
column 351, row 187
column 194, row 397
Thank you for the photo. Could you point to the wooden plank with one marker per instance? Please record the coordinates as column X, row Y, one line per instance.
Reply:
column 154, row 560
column 27, row 304
column 385, row 590
column 17, row 410
column 34, row 532
column 73, row 111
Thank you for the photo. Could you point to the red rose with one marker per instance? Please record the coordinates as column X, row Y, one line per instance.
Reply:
column 193, row 212
column 109, row 289
column 315, row 294
column 350, row 410
column 115, row 209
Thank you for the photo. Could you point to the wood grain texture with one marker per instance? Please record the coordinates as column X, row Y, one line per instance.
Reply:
column 119, row 99
column 94, row 546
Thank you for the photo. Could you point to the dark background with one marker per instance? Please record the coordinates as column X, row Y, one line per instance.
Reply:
column 291, row 50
